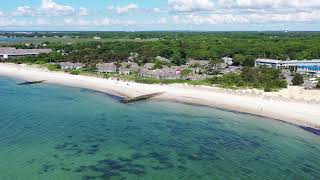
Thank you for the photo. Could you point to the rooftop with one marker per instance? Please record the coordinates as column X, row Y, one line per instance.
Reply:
column 288, row 61
column 16, row 52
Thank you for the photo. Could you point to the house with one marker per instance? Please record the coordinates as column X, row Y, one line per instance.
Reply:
column 227, row 60
column 70, row 65
column 164, row 73
column 145, row 72
column 128, row 67
column 11, row 52
column 192, row 62
column 107, row 68
column 133, row 56
column 170, row 73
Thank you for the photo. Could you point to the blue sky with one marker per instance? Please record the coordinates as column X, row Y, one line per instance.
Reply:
column 207, row 15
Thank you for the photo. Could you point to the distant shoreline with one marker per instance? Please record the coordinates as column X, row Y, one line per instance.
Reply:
column 293, row 105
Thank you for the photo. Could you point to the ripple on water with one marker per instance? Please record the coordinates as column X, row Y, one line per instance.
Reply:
column 52, row 132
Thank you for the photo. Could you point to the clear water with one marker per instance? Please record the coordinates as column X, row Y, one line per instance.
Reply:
column 14, row 40
column 54, row 132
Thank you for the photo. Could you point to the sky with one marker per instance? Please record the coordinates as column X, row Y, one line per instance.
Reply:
column 148, row 15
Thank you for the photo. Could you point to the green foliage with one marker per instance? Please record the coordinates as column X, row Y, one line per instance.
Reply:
column 186, row 72
column 267, row 89
column 178, row 59
column 75, row 72
column 167, row 53
column 249, row 61
column 196, row 45
column 159, row 64
column 178, row 46
column 39, row 62
column 53, row 67
column 262, row 78
column 214, row 66
column 244, row 60
column 238, row 59
column 161, row 81
column 196, row 65
column 297, row 80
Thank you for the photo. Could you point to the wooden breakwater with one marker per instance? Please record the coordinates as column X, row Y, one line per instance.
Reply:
column 140, row 98
column 31, row 82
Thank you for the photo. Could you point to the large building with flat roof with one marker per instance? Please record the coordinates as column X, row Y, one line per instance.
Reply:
column 11, row 52
column 287, row 64
column 303, row 66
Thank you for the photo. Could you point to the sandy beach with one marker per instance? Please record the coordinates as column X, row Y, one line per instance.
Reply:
column 294, row 104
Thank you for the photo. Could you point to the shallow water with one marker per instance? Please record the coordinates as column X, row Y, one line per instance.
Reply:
column 14, row 40
column 55, row 132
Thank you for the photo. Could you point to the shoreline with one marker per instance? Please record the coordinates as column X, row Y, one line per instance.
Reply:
column 293, row 105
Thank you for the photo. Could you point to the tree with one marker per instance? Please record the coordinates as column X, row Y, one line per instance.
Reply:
column 297, row 80
column 214, row 66
column 178, row 60
column 238, row 59
column 244, row 60
column 249, row 61
column 166, row 53
column 250, row 75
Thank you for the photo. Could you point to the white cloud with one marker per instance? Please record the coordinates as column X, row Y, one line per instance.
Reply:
column 245, row 11
column 98, row 22
column 157, row 10
column 190, row 5
column 298, row 4
column 49, row 8
column 83, row 11
column 2, row 14
column 9, row 22
column 41, row 22
column 162, row 20
column 298, row 17
column 123, row 9
column 176, row 19
column 54, row 9
column 236, row 5
column 24, row 11
column 67, row 22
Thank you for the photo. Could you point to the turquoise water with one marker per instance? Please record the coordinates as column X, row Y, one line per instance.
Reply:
column 54, row 132
column 14, row 40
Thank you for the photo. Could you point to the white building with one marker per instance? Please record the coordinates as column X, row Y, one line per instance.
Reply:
column 303, row 66
column 287, row 64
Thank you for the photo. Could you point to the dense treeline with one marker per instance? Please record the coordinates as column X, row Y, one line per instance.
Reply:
column 243, row 46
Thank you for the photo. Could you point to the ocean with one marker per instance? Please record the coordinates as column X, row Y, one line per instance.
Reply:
column 57, row 132
column 14, row 40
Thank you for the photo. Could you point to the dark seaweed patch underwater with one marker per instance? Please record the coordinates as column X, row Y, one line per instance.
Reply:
column 54, row 132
